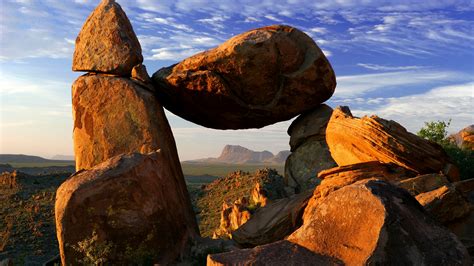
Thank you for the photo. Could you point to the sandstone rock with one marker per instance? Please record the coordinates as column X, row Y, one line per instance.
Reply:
column 259, row 195
column 339, row 177
column 107, row 43
column 115, row 115
column 464, row 139
column 423, row 183
column 374, row 223
column 278, row 253
column 130, row 205
column 304, row 164
column 273, row 222
column 232, row 217
column 311, row 123
column 354, row 140
column 254, row 79
column 445, row 203
column 464, row 228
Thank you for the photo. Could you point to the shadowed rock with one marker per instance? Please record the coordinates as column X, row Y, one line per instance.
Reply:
column 279, row 253
column 423, row 183
column 131, row 206
column 374, row 223
column 254, row 79
column 273, row 222
column 107, row 43
column 354, row 140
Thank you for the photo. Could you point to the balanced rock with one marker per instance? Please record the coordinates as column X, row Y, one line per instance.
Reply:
column 130, row 205
column 254, row 79
column 310, row 153
column 273, row 222
column 278, row 253
column 114, row 115
column 372, row 222
column 464, row 139
column 354, row 140
column 445, row 203
column 107, row 43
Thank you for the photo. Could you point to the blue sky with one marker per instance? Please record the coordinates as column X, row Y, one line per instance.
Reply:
column 409, row 61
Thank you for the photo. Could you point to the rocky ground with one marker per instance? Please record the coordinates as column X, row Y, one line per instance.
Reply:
column 28, row 232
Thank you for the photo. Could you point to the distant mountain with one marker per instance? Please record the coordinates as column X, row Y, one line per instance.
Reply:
column 235, row 154
column 22, row 158
column 60, row 157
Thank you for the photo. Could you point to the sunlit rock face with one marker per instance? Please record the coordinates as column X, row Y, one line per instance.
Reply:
column 129, row 208
column 115, row 115
column 254, row 79
column 107, row 43
column 374, row 222
column 354, row 140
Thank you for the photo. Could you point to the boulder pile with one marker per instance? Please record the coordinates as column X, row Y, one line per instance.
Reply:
column 356, row 191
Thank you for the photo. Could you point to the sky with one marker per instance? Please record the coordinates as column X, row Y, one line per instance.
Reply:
column 410, row 61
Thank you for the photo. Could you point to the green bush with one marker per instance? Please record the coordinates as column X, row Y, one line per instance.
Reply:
column 436, row 131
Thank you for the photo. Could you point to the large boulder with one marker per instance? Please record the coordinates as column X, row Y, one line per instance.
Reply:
column 464, row 139
column 354, row 140
column 114, row 115
column 273, row 222
column 254, row 79
column 278, row 253
column 107, row 43
column 310, row 153
column 131, row 206
column 445, row 203
column 373, row 222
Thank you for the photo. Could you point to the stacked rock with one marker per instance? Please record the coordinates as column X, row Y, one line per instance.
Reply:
column 131, row 203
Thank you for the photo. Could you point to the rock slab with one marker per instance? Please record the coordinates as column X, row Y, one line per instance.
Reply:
column 372, row 222
column 107, row 42
column 131, row 206
column 353, row 140
column 254, row 79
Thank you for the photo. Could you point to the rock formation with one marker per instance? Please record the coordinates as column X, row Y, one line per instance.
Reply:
column 236, row 154
column 218, row 197
column 464, row 139
column 115, row 115
column 107, row 43
column 121, row 208
column 423, row 183
column 254, row 79
column 354, row 140
column 278, row 253
column 273, row 222
column 360, row 224
column 445, row 203
column 232, row 217
column 310, row 153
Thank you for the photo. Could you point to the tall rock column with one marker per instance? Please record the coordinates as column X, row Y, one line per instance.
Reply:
column 115, row 112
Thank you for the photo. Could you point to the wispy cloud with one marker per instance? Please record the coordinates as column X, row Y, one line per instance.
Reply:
column 440, row 103
column 388, row 68
column 357, row 85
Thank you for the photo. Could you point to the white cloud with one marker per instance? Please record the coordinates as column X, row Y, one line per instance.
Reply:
column 357, row 85
column 440, row 103
column 388, row 68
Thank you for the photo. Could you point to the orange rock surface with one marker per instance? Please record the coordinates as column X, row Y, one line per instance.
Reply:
column 130, row 205
column 373, row 223
column 254, row 79
column 107, row 42
column 114, row 115
column 353, row 140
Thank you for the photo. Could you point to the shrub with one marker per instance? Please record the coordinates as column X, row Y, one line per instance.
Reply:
column 436, row 131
